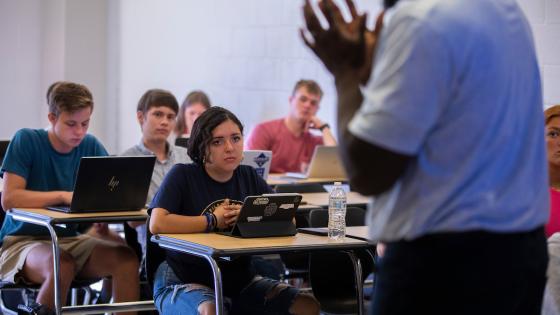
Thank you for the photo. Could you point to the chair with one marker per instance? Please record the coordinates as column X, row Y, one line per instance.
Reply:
column 11, row 294
column 337, row 291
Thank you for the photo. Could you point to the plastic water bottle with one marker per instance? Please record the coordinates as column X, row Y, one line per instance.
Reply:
column 337, row 213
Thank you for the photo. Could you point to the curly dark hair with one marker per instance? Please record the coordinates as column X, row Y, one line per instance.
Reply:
column 201, row 135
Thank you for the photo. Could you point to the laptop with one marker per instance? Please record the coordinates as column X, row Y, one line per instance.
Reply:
column 182, row 142
column 3, row 148
column 110, row 183
column 259, row 159
column 264, row 216
column 325, row 163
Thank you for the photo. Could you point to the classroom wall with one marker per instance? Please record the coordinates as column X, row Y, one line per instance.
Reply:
column 246, row 54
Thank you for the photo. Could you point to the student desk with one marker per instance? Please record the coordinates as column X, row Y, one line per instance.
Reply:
column 282, row 179
column 321, row 199
column 211, row 247
column 49, row 219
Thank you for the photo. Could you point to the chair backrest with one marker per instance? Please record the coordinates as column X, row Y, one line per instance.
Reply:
column 300, row 188
column 354, row 217
column 155, row 255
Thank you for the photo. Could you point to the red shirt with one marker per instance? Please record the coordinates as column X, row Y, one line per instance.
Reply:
column 288, row 151
column 553, row 224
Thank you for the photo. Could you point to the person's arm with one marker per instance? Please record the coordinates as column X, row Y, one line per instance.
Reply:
column 14, row 194
column 163, row 221
column 371, row 169
column 326, row 133
column 347, row 49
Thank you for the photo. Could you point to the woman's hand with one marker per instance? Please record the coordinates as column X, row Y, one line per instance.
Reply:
column 226, row 214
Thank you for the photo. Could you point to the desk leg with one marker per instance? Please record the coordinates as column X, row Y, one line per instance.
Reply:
column 217, row 285
column 56, row 266
column 359, row 283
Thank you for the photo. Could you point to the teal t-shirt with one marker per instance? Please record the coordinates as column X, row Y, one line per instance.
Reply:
column 31, row 156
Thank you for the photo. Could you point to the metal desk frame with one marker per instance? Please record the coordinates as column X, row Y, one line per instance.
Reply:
column 49, row 222
column 212, row 254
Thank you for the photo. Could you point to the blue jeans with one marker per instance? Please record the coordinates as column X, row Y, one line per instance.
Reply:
column 171, row 296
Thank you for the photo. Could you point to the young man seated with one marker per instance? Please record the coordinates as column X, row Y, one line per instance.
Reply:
column 156, row 113
column 289, row 138
column 38, row 171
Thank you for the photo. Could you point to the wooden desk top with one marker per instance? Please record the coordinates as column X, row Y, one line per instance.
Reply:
column 211, row 243
column 281, row 179
column 50, row 215
column 322, row 199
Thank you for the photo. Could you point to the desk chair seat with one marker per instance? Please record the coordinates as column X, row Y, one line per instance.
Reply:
column 332, row 274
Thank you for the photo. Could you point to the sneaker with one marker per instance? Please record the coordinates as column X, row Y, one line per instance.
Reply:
column 35, row 309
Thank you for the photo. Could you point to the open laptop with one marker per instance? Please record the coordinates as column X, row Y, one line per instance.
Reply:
column 325, row 163
column 110, row 183
column 266, row 216
column 259, row 159
column 3, row 148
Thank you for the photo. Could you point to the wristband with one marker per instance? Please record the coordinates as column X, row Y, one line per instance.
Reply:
column 214, row 222
column 324, row 126
column 208, row 222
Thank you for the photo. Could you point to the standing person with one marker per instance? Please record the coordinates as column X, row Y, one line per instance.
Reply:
column 289, row 138
column 447, row 134
column 196, row 103
column 39, row 170
column 184, row 283
column 156, row 113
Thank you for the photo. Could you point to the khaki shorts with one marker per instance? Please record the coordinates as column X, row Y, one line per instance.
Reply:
column 15, row 249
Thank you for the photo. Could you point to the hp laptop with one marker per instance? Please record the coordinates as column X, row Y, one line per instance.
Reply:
column 265, row 216
column 258, row 159
column 111, row 183
column 325, row 163
column 3, row 148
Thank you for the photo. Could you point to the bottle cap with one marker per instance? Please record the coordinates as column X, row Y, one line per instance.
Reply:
column 337, row 183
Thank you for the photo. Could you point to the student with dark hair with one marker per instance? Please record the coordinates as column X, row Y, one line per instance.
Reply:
column 184, row 283
column 156, row 113
column 289, row 138
column 39, row 170
column 193, row 106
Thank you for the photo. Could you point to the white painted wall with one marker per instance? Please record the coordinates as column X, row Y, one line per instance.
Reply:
column 246, row 54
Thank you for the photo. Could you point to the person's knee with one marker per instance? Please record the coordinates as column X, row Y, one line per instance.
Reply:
column 124, row 257
column 207, row 308
column 305, row 304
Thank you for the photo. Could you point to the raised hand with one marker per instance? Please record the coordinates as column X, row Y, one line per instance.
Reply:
column 346, row 48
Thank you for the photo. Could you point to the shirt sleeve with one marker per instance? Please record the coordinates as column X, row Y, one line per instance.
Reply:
column 258, row 139
column 171, row 191
column 19, row 156
column 410, row 86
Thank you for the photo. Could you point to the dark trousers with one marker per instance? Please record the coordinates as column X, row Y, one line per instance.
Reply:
column 463, row 273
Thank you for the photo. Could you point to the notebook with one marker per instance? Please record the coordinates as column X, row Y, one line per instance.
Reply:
column 110, row 183
column 259, row 159
column 325, row 163
column 264, row 216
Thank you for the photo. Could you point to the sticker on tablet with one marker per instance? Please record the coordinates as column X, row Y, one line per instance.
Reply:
column 270, row 209
column 254, row 219
column 287, row 206
column 260, row 201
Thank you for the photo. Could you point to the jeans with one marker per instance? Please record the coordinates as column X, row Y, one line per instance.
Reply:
column 171, row 296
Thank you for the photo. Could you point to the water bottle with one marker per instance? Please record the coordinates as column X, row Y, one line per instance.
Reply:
column 337, row 213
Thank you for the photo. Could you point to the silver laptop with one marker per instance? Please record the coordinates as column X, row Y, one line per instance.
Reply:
column 259, row 159
column 325, row 163
column 110, row 183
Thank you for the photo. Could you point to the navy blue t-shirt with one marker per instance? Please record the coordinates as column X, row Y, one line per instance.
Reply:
column 188, row 190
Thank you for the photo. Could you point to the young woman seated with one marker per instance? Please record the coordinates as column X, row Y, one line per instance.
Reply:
column 184, row 283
